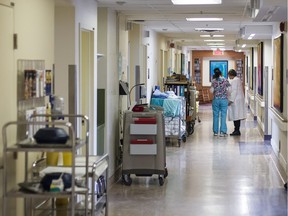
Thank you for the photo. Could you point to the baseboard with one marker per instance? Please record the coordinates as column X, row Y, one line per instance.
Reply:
column 283, row 162
column 279, row 161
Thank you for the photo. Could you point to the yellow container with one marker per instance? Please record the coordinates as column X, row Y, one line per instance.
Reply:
column 52, row 158
column 67, row 158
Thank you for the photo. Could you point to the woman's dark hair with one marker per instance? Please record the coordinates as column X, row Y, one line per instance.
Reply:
column 217, row 73
column 232, row 72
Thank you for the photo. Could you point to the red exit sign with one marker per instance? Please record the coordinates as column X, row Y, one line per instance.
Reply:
column 218, row 52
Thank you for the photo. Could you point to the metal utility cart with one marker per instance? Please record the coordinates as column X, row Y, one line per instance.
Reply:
column 82, row 166
column 144, row 150
column 98, row 189
column 175, row 123
column 181, row 88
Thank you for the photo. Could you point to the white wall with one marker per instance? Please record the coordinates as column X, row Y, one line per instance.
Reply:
column 64, row 49
column 108, row 79
column 153, row 54
column 112, row 92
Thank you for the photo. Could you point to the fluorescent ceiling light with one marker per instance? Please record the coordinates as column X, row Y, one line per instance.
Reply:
column 215, row 44
column 204, row 19
column 195, row 2
column 209, row 29
column 211, row 35
column 218, row 35
column 244, row 45
column 213, row 40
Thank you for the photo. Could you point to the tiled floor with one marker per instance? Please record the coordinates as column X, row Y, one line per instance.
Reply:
column 209, row 176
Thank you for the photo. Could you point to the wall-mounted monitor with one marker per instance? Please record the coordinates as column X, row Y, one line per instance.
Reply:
column 222, row 65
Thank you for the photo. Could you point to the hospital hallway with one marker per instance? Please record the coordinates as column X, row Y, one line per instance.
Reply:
column 209, row 176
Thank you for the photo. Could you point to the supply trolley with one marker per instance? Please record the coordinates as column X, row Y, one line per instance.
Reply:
column 181, row 88
column 82, row 170
column 175, row 123
column 174, row 115
column 193, row 110
column 144, row 150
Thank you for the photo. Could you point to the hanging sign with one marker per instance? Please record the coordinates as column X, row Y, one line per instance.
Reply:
column 218, row 52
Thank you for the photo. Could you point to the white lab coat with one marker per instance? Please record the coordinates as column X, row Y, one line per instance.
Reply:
column 236, row 111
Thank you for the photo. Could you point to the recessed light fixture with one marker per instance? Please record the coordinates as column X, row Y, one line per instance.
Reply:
column 195, row 2
column 210, row 35
column 204, row 19
column 244, row 45
column 251, row 36
column 213, row 40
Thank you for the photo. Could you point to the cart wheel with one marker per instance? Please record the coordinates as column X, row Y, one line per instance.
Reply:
column 184, row 138
column 161, row 180
column 126, row 180
column 166, row 172
column 285, row 185
column 191, row 129
column 199, row 119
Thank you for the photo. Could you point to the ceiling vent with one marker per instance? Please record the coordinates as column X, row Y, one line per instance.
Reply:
column 209, row 30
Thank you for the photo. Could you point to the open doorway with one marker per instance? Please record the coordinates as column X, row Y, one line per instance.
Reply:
column 86, row 72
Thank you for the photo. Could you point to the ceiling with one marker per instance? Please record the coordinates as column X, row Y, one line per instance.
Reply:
column 170, row 20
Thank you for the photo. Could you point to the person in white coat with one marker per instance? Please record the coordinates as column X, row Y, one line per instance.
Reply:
column 236, row 104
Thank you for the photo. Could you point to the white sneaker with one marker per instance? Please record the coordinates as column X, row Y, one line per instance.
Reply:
column 223, row 134
column 215, row 134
